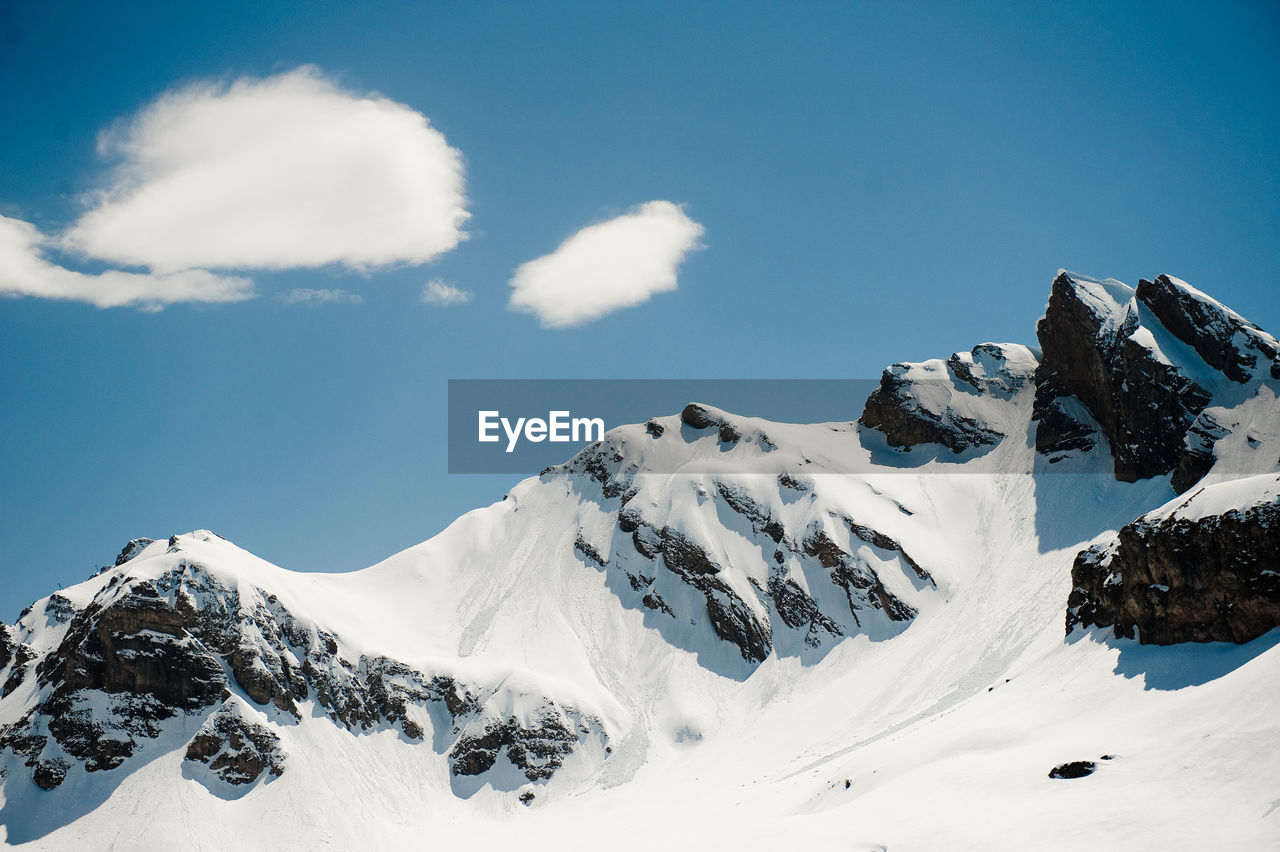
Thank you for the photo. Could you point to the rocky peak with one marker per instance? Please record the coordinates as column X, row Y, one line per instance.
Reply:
column 1225, row 340
column 1139, row 368
column 802, row 579
column 164, row 637
column 961, row 403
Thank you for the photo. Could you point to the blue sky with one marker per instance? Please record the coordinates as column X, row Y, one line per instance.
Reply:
column 872, row 182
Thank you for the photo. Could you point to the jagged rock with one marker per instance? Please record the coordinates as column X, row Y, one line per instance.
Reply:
column 894, row 410
column 878, row 539
column 732, row 614
column 741, row 502
column 132, row 549
column 860, row 583
column 1197, row 454
column 48, row 774
column 120, row 670
column 1105, row 372
column 236, row 750
column 699, row 417
column 1173, row 576
column 798, row 610
column 1224, row 339
column 922, row 403
column 654, row 601
column 139, row 645
column 1073, row 769
column 1095, row 351
column 537, row 748
column 6, row 646
column 731, row 618
column 786, row 480
column 58, row 608
column 145, row 651
column 20, row 656
column 654, row 428
column 588, row 550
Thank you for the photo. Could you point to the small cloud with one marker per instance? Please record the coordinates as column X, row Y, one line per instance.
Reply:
column 606, row 267
column 288, row 171
column 24, row 271
column 442, row 294
column 303, row 296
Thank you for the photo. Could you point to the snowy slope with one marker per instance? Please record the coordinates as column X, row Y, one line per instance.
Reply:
column 754, row 648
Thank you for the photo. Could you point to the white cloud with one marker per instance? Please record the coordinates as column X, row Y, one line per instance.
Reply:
column 606, row 267
column 24, row 271
column 303, row 296
column 281, row 172
column 442, row 294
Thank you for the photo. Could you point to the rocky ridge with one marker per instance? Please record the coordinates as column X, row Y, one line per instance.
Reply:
column 145, row 652
column 1155, row 375
column 815, row 577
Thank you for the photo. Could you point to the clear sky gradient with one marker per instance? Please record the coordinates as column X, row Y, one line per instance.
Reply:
column 876, row 182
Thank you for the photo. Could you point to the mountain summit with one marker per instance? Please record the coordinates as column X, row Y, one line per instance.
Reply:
column 1042, row 614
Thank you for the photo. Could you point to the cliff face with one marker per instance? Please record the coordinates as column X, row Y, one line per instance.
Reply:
column 956, row 403
column 1205, row 568
column 1155, row 375
column 1144, row 364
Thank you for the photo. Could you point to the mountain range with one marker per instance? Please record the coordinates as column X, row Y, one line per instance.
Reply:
column 1027, row 599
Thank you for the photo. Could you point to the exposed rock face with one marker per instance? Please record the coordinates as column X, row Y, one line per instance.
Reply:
column 699, row 417
column 1175, row 575
column 18, row 656
column 132, row 549
column 1112, row 367
column 1073, row 769
column 1096, row 351
column 236, row 750
column 812, row 588
column 1225, row 340
column 145, row 651
column 537, row 748
column 948, row 402
column 731, row 618
column 6, row 646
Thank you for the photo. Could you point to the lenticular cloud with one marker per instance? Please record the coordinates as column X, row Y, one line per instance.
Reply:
column 281, row 172
column 608, row 266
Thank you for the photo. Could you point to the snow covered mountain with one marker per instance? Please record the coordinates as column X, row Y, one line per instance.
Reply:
column 1040, row 615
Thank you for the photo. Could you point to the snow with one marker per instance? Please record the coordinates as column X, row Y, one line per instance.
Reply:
column 1212, row 498
column 1108, row 299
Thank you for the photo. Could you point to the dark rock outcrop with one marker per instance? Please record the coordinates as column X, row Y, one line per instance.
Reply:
column 537, row 747
column 6, row 646
column 1226, row 341
column 731, row 618
column 861, row 584
column 236, row 750
column 1167, row 579
column 1073, row 769
column 1105, row 373
column 906, row 408
column 132, row 549
column 700, row 417
column 144, row 651
column 894, row 409
column 1142, row 404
